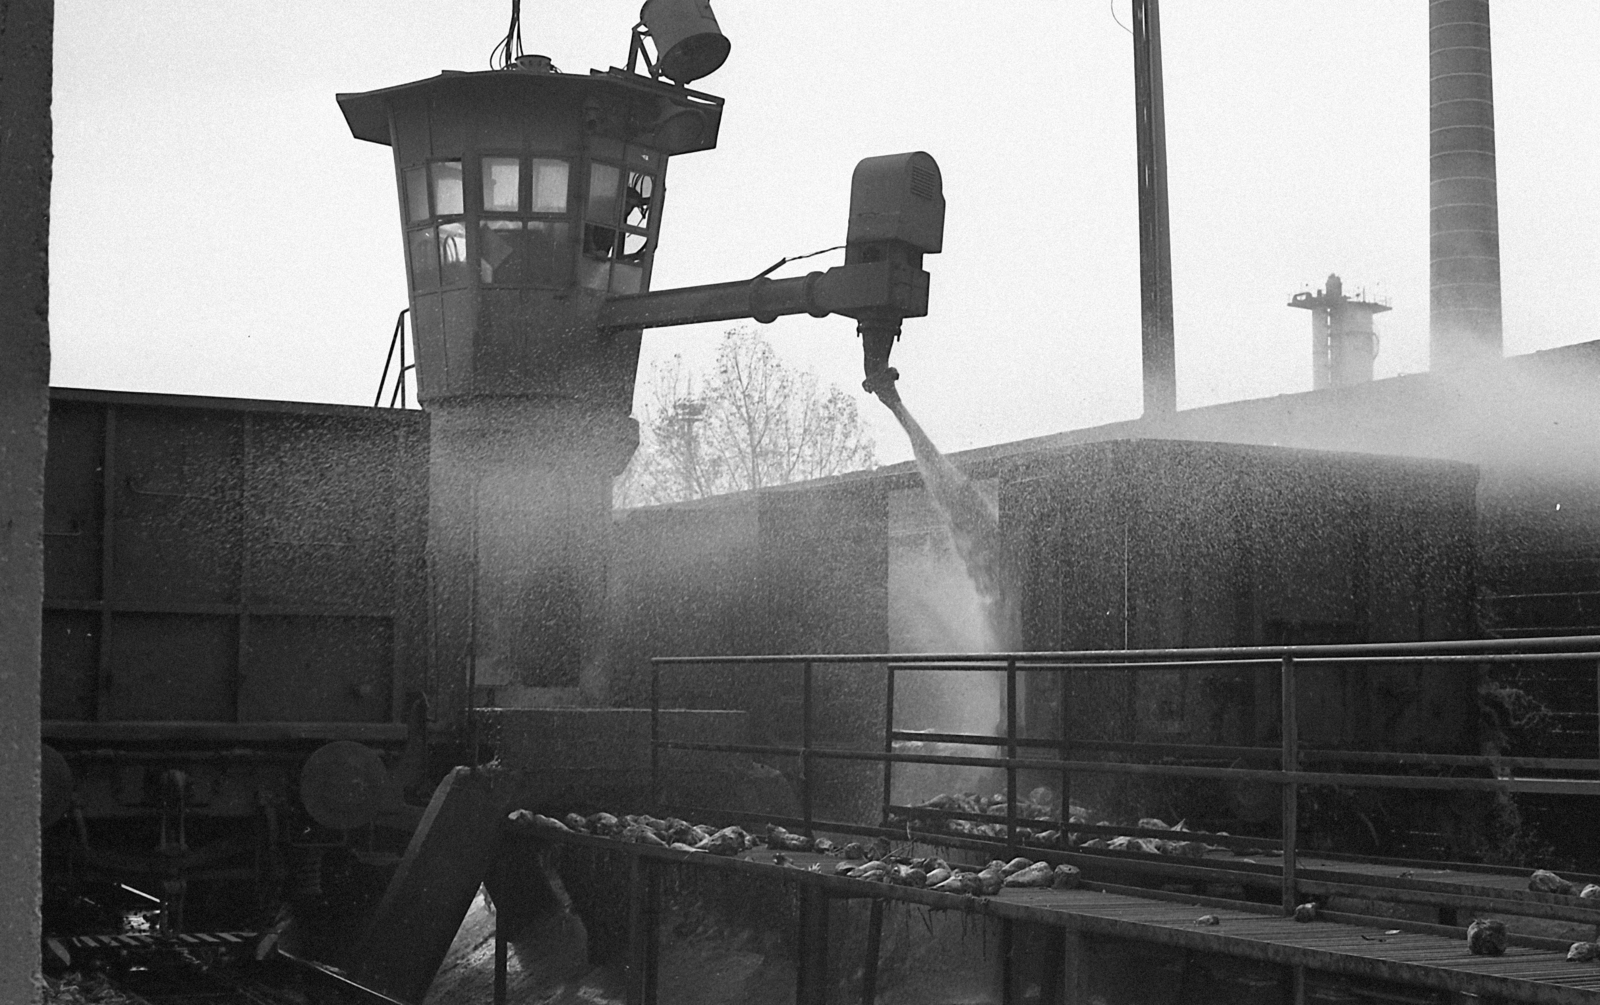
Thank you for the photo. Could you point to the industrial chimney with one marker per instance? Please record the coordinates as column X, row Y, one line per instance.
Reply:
column 1464, row 279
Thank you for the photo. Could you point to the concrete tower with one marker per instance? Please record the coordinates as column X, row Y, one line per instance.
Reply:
column 528, row 198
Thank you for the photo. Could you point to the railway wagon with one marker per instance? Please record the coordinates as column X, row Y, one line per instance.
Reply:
column 1175, row 544
column 234, row 644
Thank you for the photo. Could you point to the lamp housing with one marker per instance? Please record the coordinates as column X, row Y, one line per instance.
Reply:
column 689, row 43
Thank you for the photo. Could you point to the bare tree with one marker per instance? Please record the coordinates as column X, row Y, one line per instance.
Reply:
column 755, row 421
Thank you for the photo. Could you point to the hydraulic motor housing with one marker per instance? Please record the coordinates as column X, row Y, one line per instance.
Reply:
column 896, row 199
column 896, row 217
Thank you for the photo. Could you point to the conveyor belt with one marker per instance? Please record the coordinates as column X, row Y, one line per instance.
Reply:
column 1412, row 958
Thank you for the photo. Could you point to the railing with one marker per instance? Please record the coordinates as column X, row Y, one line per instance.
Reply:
column 397, row 340
column 1290, row 773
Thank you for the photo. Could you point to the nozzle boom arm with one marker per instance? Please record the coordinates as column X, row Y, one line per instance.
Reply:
column 868, row 288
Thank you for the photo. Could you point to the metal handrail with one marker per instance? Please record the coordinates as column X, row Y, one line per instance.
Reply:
column 1288, row 773
column 396, row 339
column 1588, row 646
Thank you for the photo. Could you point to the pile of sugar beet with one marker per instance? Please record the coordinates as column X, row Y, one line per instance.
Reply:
column 873, row 862
column 1039, row 810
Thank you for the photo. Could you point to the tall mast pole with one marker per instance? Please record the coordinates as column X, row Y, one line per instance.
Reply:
column 1155, row 245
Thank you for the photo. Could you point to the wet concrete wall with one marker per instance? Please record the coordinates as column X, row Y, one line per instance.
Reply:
column 518, row 510
column 26, row 28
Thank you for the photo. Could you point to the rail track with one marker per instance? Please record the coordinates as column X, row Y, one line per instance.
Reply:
column 197, row 970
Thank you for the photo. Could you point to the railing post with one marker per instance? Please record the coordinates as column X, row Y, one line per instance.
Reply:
column 655, row 736
column 472, row 628
column 805, row 747
column 1291, row 793
column 1011, row 755
column 396, row 337
column 1062, row 729
column 400, row 383
column 888, row 745
column 1597, row 739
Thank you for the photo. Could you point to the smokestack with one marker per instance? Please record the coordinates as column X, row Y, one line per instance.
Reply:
column 1464, row 280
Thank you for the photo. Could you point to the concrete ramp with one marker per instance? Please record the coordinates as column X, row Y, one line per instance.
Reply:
column 545, row 759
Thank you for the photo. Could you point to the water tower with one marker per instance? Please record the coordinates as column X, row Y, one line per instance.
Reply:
column 530, row 201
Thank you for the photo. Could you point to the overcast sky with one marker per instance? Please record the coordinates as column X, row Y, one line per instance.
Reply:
column 215, row 229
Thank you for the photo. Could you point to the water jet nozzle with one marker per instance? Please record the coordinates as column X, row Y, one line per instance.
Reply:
column 896, row 217
column 882, row 384
column 877, row 341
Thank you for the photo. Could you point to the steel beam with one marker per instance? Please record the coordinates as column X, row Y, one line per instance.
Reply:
column 811, row 948
column 644, row 931
column 221, row 732
column 869, row 968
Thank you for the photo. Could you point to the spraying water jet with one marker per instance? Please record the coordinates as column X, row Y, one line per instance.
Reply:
column 973, row 522
column 970, row 606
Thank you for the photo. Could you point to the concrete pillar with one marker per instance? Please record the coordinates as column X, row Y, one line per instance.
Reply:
column 519, row 513
column 1075, row 967
column 26, row 28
